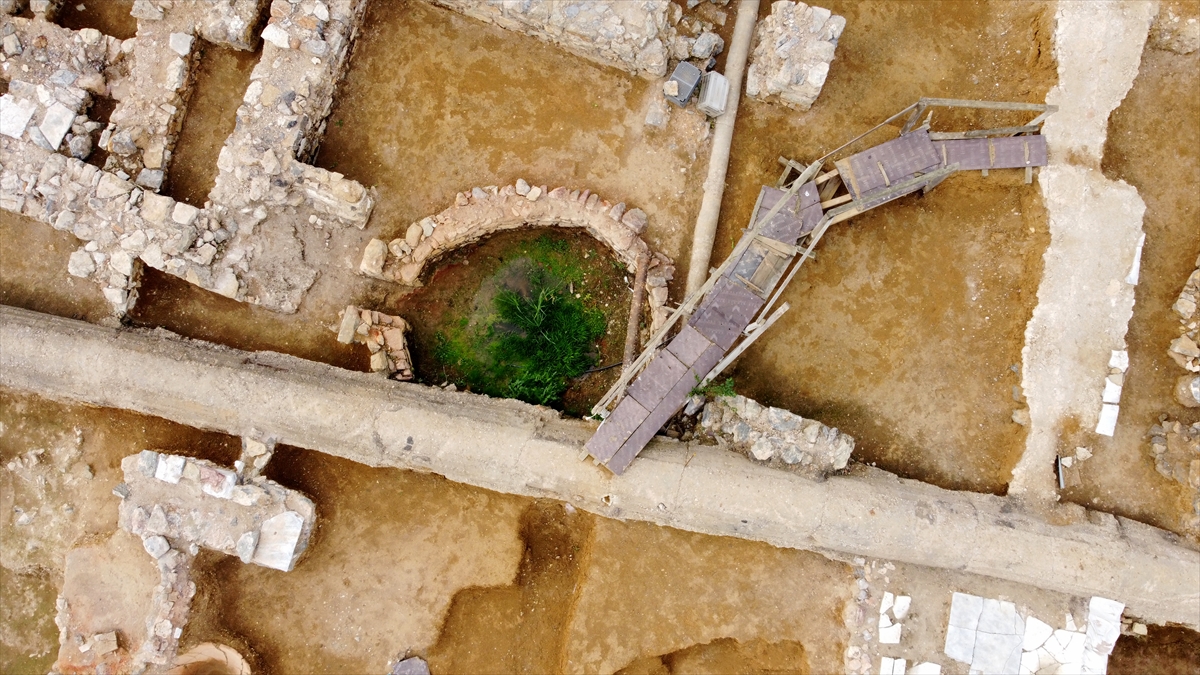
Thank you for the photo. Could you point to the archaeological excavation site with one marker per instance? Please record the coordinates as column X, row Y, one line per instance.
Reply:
column 651, row 337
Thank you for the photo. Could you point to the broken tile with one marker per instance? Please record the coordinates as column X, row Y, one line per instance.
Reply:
column 965, row 610
column 1036, row 632
column 900, row 608
column 960, row 643
column 890, row 635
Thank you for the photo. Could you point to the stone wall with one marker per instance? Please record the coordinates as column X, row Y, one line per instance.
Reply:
column 777, row 437
column 1184, row 349
column 1176, row 450
column 793, row 48
column 247, row 241
column 484, row 211
column 632, row 36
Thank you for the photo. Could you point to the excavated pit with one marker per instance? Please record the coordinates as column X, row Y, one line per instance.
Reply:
column 902, row 333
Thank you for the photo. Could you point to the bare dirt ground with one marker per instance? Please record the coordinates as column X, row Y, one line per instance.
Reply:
column 436, row 103
column 58, row 466
column 212, row 115
column 903, row 331
column 1154, row 145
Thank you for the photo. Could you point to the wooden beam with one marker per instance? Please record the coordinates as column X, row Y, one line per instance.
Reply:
column 830, row 188
column 836, row 201
column 828, row 175
column 991, row 105
column 981, row 133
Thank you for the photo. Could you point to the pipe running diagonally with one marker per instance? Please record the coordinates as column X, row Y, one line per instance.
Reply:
column 705, row 232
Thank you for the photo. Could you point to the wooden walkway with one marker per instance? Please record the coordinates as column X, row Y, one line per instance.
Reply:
column 719, row 320
column 732, row 309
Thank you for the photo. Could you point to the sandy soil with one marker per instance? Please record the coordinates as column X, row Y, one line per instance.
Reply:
column 684, row 589
column 390, row 552
column 211, row 117
column 67, row 492
column 33, row 271
column 903, row 331
column 1156, row 127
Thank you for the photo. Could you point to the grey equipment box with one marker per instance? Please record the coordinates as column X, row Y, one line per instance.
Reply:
column 688, row 78
column 714, row 94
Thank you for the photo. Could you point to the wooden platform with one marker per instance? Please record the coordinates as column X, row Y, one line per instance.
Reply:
column 721, row 317
column 974, row 154
column 747, row 286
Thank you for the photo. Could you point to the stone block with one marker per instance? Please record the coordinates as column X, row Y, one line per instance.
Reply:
column 169, row 468
column 15, row 114
column 277, row 541
column 156, row 545
column 55, row 124
column 110, row 186
column 184, row 214
column 180, row 43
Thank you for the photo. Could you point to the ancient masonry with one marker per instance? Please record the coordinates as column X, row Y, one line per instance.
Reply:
column 230, row 246
column 383, row 335
column 1184, row 349
column 777, row 437
column 178, row 505
column 485, row 211
column 632, row 36
column 1176, row 450
column 793, row 48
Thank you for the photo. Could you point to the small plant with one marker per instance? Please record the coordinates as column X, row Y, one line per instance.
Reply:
column 547, row 339
column 716, row 390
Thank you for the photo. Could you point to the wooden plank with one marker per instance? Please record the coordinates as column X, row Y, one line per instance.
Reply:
column 830, row 188
column 617, row 429
column 991, row 105
column 981, row 133
column 836, row 202
column 744, row 344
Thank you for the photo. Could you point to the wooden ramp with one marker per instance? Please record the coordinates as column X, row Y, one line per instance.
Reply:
column 734, row 307
column 718, row 321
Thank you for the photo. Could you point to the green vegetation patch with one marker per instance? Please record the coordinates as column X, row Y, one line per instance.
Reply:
column 534, row 328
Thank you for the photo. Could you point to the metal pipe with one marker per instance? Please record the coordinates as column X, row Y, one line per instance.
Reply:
column 705, row 232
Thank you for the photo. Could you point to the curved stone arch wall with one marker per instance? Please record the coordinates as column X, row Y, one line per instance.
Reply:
column 483, row 212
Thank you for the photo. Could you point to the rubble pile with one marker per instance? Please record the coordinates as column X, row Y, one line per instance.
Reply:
column 201, row 504
column 151, row 77
column 230, row 247
column 53, row 74
column 123, row 225
column 484, row 211
column 1175, row 33
column 632, row 36
column 383, row 335
column 777, row 437
column 1176, row 449
column 1185, row 349
column 793, row 48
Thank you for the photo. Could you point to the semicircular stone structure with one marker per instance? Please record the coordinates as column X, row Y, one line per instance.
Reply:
column 482, row 212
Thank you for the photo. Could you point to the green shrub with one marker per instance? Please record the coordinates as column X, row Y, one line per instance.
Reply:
column 716, row 390
column 543, row 341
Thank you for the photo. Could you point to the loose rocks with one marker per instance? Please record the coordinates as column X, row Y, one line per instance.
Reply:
column 1176, row 450
column 793, row 49
column 1184, row 349
column 777, row 436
